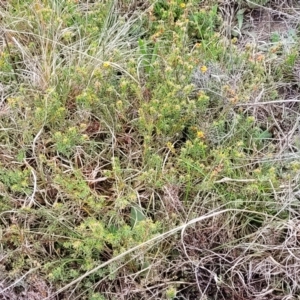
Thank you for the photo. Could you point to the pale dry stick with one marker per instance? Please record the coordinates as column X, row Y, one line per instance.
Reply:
column 256, row 100
column 291, row 253
column 269, row 102
column 227, row 179
column 202, row 294
column 19, row 280
column 198, row 266
column 23, row 52
column 187, row 255
column 290, row 135
column 285, row 156
column 241, row 277
column 166, row 158
column 197, row 263
column 154, row 239
column 164, row 284
column 194, row 203
column 31, row 201
column 271, row 10
column 115, row 270
column 175, row 202
column 36, row 137
column 286, row 246
column 279, row 128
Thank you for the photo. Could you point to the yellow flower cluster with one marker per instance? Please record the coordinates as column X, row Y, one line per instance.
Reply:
column 200, row 134
column 106, row 64
column 203, row 69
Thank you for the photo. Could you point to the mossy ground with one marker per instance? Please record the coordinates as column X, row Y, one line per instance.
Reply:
column 149, row 149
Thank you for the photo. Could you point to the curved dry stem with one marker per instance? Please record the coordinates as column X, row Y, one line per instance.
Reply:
column 152, row 240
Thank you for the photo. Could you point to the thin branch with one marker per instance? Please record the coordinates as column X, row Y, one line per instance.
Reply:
column 152, row 240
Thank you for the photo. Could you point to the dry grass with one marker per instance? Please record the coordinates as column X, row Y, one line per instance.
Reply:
column 149, row 150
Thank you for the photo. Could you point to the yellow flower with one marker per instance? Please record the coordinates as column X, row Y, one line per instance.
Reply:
column 182, row 5
column 200, row 134
column 233, row 100
column 77, row 244
column 260, row 57
column 171, row 147
column 106, row 64
column 119, row 104
column 203, row 69
column 234, row 40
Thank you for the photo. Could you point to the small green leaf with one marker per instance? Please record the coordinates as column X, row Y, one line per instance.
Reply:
column 264, row 135
column 240, row 17
column 136, row 215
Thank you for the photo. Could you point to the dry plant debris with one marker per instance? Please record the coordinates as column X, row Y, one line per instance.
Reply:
column 149, row 150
